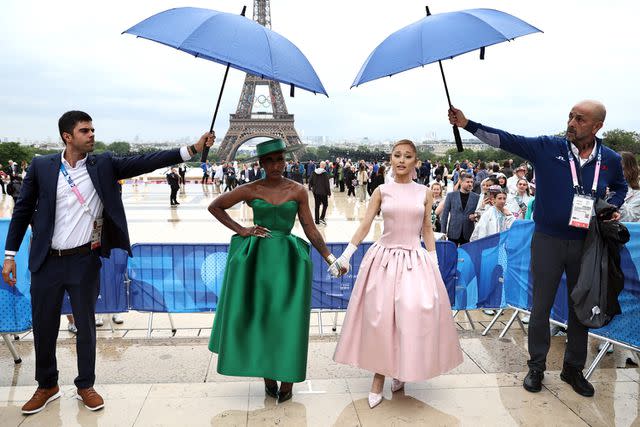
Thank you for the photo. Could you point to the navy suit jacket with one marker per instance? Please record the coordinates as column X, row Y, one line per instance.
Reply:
column 37, row 202
column 454, row 220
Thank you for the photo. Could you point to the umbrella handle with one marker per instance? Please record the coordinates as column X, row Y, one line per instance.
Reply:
column 456, row 136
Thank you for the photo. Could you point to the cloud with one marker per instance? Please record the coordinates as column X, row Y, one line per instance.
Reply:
column 63, row 55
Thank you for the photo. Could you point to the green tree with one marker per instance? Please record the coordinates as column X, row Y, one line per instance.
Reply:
column 99, row 147
column 120, row 148
column 622, row 140
column 16, row 152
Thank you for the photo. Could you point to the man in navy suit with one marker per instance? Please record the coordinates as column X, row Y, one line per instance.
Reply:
column 458, row 215
column 73, row 202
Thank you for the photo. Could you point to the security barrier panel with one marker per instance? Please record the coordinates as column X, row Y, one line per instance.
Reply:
column 15, row 301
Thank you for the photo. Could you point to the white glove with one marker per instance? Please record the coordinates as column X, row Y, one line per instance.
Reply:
column 343, row 261
column 336, row 269
column 434, row 257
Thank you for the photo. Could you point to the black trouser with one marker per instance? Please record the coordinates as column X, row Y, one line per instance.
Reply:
column 174, row 193
column 205, row 178
column 351, row 191
column 2, row 184
column 321, row 199
column 341, row 185
column 550, row 257
column 182, row 181
column 79, row 275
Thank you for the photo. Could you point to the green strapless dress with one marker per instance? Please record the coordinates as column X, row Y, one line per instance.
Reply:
column 261, row 326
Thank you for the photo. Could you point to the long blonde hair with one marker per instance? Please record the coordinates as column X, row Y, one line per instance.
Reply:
column 630, row 170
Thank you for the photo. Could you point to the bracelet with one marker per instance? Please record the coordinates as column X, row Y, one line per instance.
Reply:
column 6, row 257
column 330, row 259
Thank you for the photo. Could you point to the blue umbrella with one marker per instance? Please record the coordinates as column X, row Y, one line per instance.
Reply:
column 234, row 41
column 438, row 37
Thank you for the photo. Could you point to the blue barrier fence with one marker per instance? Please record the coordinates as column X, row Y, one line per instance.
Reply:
column 489, row 273
column 15, row 301
column 186, row 278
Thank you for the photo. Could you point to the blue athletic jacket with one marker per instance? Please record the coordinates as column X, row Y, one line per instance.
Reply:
column 554, row 187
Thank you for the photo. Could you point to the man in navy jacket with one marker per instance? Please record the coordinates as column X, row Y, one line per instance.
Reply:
column 556, row 246
column 73, row 202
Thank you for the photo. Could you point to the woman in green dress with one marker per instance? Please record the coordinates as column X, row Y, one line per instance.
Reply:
column 261, row 327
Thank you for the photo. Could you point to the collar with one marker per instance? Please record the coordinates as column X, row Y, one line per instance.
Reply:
column 79, row 163
column 576, row 152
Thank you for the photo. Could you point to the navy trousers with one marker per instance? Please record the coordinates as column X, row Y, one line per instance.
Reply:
column 550, row 257
column 79, row 275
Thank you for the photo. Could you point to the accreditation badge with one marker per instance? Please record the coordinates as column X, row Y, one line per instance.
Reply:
column 581, row 211
column 96, row 233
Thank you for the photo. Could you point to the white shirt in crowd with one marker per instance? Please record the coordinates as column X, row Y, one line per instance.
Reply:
column 513, row 204
column 219, row 172
column 491, row 222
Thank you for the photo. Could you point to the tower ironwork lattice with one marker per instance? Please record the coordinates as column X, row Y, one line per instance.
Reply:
column 261, row 111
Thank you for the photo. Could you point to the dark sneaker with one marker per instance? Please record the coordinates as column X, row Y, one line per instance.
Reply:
column 91, row 399
column 577, row 381
column 533, row 381
column 40, row 398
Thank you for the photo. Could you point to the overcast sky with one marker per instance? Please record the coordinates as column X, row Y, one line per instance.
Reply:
column 63, row 55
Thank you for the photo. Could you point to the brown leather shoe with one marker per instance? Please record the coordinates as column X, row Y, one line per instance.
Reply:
column 40, row 398
column 91, row 399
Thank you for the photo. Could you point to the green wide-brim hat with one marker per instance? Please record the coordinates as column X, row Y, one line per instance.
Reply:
column 274, row 146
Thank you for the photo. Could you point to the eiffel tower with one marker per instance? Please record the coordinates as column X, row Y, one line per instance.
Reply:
column 261, row 110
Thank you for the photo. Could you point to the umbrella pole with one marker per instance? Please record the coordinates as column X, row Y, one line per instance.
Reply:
column 205, row 149
column 456, row 131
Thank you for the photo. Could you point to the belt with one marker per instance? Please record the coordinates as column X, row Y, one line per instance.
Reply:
column 79, row 250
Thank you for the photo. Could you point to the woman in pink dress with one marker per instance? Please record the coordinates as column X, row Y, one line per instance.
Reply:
column 399, row 321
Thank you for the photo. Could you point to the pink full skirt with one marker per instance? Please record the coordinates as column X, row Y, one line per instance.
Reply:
column 399, row 321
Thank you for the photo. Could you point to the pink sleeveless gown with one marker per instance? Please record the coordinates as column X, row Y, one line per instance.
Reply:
column 399, row 321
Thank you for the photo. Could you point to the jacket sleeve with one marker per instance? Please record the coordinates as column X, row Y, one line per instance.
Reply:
column 127, row 167
column 444, row 216
column 24, row 209
column 312, row 181
column 525, row 147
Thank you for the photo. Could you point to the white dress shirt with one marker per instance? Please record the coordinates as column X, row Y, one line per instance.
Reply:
column 73, row 225
column 576, row 152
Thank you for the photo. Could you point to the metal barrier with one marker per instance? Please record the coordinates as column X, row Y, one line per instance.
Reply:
column 185, row 278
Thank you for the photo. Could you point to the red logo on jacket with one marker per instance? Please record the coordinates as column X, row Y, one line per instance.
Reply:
column 604, row 168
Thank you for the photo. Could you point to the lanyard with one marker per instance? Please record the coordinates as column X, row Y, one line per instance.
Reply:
column 74, row 188
column 574, row 176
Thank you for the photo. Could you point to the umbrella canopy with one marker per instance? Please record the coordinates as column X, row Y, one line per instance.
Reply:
column 232, row 40
column 440, row 36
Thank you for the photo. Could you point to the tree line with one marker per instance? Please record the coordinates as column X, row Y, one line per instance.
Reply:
column 616, row 139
